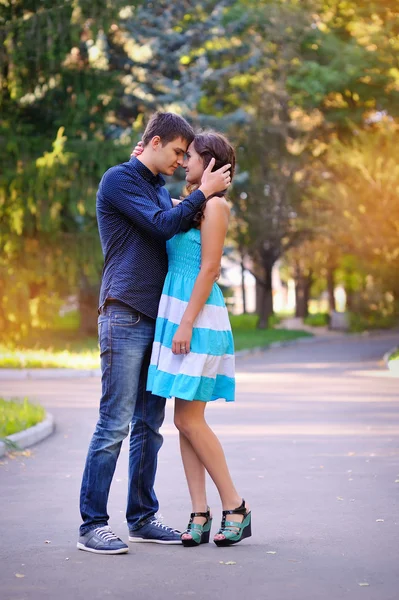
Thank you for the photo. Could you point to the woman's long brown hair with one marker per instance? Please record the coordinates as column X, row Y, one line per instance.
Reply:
column 210, row 144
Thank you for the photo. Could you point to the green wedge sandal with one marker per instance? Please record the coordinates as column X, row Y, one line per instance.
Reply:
column 199, row 533
column 234, row 531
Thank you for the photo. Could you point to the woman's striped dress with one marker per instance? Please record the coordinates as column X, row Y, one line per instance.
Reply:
column 207, row 371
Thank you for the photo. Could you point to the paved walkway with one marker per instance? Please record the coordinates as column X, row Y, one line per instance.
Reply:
column 312, row 442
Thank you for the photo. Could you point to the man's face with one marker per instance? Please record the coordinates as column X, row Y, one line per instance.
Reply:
column 170, row 156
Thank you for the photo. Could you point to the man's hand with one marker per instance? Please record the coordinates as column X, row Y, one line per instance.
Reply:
column 138, row 149
column 216, row 181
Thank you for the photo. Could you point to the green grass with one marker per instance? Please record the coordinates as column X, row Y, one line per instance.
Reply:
column 67, row 349
column 48, row 359
column 52, row 349
column 249, row 321
column 247, row 336
column 16, row 415
column 253, row 338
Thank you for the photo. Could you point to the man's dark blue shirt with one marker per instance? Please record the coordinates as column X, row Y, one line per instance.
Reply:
column 135, row 218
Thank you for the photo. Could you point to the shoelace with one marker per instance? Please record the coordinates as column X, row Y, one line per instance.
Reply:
column 162, row 526
column 106, row 534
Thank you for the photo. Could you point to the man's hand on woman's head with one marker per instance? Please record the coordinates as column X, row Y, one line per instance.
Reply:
column 138, row 149
column 213, row 182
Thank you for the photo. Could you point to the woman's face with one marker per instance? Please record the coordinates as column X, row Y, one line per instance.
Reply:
column 193, row 165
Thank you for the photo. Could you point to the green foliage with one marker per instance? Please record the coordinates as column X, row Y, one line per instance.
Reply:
column 243, row 322
column 16, row 415
column 48, row 233
column 349, row 62
column 317, row 320
column 372, row 320
column 360, row 201
column 300, row 86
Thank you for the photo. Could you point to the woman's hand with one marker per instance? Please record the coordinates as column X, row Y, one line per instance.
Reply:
column 182, row 339
column 138, row 149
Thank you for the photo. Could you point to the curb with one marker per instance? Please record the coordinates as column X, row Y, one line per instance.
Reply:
column 30, row 436
column 392, row 365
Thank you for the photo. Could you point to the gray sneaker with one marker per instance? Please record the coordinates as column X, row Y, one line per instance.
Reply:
column 155, row 531
column 102, row 540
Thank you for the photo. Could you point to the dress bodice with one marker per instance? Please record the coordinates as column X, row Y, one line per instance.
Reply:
column 184, row 253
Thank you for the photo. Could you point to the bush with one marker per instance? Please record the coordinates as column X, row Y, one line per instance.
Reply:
column 317, row 320
column 374, row 320
column 17, row 415
column 250, row 321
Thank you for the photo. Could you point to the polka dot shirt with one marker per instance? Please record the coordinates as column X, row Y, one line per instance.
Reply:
column 135, row 218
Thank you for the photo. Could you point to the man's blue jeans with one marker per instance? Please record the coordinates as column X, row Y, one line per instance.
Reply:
column 125, row 338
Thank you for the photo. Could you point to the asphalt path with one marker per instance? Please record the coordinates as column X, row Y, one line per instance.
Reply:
column 313, row 445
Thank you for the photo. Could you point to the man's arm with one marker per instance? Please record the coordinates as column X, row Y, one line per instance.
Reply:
column 121, row 192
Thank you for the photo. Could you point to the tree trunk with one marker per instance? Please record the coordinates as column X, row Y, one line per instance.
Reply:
column 244, row 296
column 88, row 303
column 264, row 297
column 330, row 288
column 258, row 297
column 303, row 283
column 350, row 299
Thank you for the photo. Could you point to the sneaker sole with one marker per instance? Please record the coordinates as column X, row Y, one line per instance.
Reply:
column 143, row 540
column 86, row 549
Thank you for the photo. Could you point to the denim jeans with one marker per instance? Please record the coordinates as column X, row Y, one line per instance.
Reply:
column 125, row 338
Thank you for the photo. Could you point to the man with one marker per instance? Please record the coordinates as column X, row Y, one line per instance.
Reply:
column 135, row 218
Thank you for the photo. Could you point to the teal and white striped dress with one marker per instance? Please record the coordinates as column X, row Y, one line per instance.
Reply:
column 207, row 371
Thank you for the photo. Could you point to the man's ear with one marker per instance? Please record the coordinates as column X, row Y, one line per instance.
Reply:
column 155, row 142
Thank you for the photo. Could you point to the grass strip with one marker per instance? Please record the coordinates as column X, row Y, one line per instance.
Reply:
column 17, row 415
column 70, row 351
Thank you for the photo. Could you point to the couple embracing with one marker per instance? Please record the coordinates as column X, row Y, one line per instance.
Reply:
column 164, row 332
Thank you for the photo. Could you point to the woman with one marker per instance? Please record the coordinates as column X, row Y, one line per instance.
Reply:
column 193, row 351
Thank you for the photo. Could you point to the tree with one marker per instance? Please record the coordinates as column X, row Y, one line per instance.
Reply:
column 316, row 67
column 258, row 51
column 359, row 191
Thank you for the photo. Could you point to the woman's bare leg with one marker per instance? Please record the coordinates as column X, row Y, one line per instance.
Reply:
column 195, row 475
column 190, row 420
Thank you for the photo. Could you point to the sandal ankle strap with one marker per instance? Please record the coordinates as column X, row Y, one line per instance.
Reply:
column 206, row 515
column 240, row 510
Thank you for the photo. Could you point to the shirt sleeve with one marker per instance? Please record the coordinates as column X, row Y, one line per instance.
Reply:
column 124, row 194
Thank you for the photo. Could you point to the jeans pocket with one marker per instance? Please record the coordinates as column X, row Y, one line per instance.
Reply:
column 126, row 319
column 124, row 325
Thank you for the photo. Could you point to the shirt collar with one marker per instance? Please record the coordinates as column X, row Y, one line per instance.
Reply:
column 146, row 173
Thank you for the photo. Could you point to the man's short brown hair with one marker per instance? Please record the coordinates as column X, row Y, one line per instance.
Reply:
column 169, row 127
